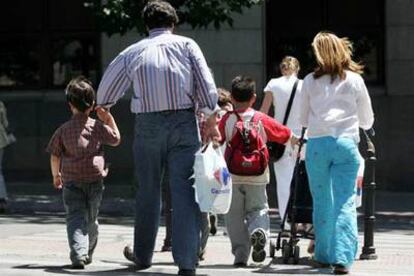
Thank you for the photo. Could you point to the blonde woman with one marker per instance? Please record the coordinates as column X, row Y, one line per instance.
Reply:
column 278, row 92
column 335, row 104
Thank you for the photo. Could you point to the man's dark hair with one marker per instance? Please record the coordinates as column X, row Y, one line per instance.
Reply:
column 159, row 14
column 243, row 88
column 80, row 94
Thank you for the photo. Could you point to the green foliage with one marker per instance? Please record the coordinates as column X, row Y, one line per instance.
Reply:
column 120, row 16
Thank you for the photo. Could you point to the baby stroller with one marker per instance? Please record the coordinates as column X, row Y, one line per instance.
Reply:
column 298, row 213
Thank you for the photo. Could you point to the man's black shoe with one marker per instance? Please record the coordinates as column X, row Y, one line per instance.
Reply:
column 187, row 272
column 166, row 248
column 129, row 255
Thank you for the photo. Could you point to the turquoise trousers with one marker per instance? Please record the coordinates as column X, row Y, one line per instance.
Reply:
column 332, row 165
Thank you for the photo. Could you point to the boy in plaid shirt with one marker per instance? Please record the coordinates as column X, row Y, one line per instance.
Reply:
column 78, row 167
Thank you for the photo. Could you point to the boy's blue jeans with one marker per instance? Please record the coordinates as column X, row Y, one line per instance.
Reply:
column 82, row 201
column 168, row 138
column 332, row 166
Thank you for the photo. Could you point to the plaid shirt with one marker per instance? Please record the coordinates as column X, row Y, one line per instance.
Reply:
column 79, row 144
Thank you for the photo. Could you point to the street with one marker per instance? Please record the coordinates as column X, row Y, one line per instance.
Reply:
column 33, row 242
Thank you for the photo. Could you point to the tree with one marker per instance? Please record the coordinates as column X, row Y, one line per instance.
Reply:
column 120, row 16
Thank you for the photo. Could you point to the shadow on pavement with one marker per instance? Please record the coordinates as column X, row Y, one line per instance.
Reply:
column 394, row 211
column 304, row 267
column 65, row 269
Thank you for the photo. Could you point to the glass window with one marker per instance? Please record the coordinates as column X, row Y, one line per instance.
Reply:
column 44, row 43
column 20, row 62
column 290, row 31
column 73, row 57
column 70, row 15
column 21, row 15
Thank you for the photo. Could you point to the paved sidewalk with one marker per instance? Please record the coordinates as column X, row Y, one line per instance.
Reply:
column 33, row 242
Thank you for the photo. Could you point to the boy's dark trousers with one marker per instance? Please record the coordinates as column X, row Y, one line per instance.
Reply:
column 82, row 201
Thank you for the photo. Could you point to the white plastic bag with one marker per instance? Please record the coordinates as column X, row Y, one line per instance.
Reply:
column 359, row 182
column 213, row 186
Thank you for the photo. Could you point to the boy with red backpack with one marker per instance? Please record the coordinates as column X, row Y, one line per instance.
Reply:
column 246, row 131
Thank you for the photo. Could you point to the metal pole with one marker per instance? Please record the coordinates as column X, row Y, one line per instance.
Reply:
column 368, row 250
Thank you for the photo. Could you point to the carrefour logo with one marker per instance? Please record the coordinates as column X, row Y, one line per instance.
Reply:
column 222, row 176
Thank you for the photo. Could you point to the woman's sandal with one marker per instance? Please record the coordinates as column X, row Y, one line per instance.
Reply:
column 340, row 270
column 316, row 264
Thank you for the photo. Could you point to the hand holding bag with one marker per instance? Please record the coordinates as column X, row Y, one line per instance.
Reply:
column 213, row 185
column 277, row 150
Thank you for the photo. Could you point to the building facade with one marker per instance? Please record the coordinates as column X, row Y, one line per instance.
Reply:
column 42, row 50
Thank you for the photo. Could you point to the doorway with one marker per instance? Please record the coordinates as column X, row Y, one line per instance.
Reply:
column 291, row 26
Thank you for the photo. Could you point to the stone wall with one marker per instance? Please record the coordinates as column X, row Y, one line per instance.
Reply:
column 228, row 51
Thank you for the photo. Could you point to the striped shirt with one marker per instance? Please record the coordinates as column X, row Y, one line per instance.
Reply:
column 167, row 71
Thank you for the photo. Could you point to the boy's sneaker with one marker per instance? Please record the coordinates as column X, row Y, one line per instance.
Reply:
column 80, row 264
column 258, row 241
column 240, row 265
column 88, row 260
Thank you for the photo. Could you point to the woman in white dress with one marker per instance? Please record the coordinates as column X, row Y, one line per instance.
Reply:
column 278, row 92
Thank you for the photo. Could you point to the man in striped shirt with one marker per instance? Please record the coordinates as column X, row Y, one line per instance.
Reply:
column 170, row 80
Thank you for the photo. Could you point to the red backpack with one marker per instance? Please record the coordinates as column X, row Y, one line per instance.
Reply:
column 246, row 153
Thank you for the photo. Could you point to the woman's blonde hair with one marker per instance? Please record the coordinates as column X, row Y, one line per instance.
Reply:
column 334, row 56
column 289, row 65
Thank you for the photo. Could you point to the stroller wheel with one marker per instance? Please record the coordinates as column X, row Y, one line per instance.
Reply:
column 296, row 254
column 272, row 248
column 286, row 252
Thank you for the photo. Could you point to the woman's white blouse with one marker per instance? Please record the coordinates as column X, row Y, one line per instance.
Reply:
column 335, row 108
column 281, row 89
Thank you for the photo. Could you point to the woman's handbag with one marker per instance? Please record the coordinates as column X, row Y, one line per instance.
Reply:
column 277, row 150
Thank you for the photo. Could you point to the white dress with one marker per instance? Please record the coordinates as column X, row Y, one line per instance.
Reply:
column 281, row 89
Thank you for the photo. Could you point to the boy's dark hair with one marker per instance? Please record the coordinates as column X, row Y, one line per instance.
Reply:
column 80, row 94
column 159, row 14
column 243, row 88
column 224, row 97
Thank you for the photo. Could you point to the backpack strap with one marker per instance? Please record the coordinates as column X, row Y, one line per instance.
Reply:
column 239, row 118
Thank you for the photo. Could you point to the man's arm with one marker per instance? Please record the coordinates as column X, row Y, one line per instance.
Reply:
column 114, row 83
column 114, row 137
column 206, row 91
